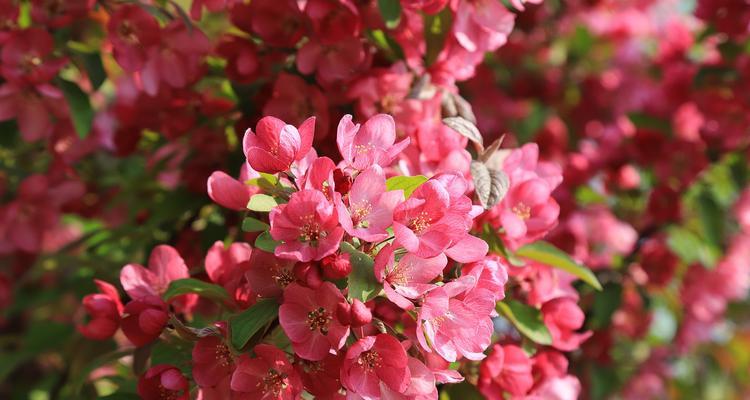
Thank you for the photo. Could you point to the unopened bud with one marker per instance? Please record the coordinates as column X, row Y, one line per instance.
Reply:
column 336, row 266
column 360, row 314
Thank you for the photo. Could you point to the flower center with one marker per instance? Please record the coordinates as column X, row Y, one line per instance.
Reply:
column 167, row 394
column 310, row 230
column 128, row 34
column 420, row 223
column 399, row 275
column 363, row 148
column 223, row 355
column 360, row 212
column 282, row 277
column 319, row 320
column 522, row 210
column 369, row 360
column 274, row 382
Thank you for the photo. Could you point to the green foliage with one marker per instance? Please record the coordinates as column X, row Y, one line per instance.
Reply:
column 249, row 322
column 80, row 108
column 406, row 183
column 189, row 285
column 362, row 282
column 390, row 10
column 548, row 254
column 265, row 242
column 262, row 203
column 250, row 224
column 527, row 319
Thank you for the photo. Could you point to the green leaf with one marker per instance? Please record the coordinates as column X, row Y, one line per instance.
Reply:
column 550, row 255
column 461, row 391
column 265, row 242
column 94, row 69
column 362, row 282
column 605, row 304
column 80, row 108
column 201, row 288
column 250, row 224
column 247, row 323
column 711, row 218
column 262, row 203
column 391, row 12
column 436, row 28
column 406, row 183
column 527, row 319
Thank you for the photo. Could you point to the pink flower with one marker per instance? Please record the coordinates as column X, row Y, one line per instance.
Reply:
column 424, row 223
column 455, row 320
column 229, row 192
column 163, row 381
column 243, row 63
column 482, row 25
column 132, row 31
column 33, row 108
column 563, row 318
column 506, row 369
column 370, row 210
column 104, row 311
column 293, row 100
column 490, row 273
column 374, row 362
column 275, row 145
column 421, row 384
column 333, row 20
column 409, row 278
column 321, row 378
column 269, row 375
column 278, row 23
column 144, row 319
column 528, row 211
column 308, row 319
column 228, row 266
column 307, row 226
column 567, row 387
column 164, row 266
column 269, row 275
column 370, row 144
column 27, row 57
column 212, row 361
column 332, row 63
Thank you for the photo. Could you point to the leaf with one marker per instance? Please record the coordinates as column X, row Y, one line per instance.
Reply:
column 261, row 203
column 80, row 108
column 550, row 255
column 391, row 12
column 466, row 128
column 605, row 304
column 247, row 323
column 711, row 218
column 250, row 224
column 190, row 285
column 491, row 185
column 406, row 183
column 362, row 282
column 265, row 242
column 499, row 185
column 461, row 391
column 94, row 69
column 527, row 319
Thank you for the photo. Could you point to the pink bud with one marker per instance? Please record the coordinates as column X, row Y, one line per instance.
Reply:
column 336, row 266
column 360, row 314
column 308, row 274
column 343, row 313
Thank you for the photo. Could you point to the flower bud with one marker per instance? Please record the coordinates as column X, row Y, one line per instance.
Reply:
column 360, row 314
column 343, row 313
column 336, row 266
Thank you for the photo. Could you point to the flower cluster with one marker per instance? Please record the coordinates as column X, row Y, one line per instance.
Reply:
column 518, row 199
column 376, row 279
